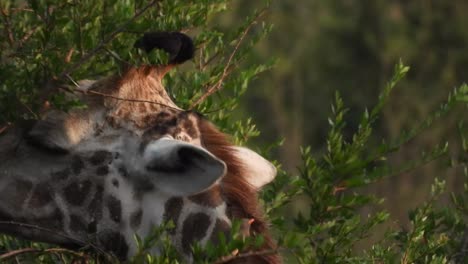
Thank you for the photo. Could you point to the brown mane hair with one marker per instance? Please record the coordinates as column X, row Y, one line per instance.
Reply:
column 240, row 195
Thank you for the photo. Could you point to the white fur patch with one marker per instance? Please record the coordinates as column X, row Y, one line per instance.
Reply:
column 259, row 171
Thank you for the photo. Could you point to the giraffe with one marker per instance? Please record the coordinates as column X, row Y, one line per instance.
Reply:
column 129, row 162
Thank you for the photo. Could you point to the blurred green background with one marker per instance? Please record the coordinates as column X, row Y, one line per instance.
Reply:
column 351, row 46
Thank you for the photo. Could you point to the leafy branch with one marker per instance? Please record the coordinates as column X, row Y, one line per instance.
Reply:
column 217, row 86
column 105, row 41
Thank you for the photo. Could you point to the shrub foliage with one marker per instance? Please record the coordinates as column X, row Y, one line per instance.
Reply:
column 50, row 42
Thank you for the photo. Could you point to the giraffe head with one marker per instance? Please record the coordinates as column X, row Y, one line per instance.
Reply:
column 129, row 162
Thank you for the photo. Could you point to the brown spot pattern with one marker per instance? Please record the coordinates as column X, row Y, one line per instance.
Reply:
column 77, row 164
column 210, row 198
column 115, row 208
column 41, row 196
column 115, row 243
column 100, row 157
column 190, row 128
column 78, row 224
column 95, row 207
column 54, row 221
column 75, row 193
column 61, row 175
column 115, row 182
column 102, row 170
column 172, row 210
column 194, row 229
column 17, row 192
column 135, row 218
column 162, row 115
column 221, row 227
column 123, row 172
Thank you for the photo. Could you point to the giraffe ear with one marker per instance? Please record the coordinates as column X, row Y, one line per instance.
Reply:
column 49, row 134
column 258, row 170
column 59, row 130
column 181, row 168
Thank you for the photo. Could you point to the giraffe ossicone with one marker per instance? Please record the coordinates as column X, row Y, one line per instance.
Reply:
column 130, row 161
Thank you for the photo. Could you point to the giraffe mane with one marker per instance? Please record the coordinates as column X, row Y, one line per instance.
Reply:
column 240, row 195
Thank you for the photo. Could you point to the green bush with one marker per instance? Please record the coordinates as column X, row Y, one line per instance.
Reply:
column 46, row 42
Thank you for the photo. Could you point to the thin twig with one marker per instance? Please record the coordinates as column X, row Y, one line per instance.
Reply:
column 22, row 9
column 114, row 97
column 27, row 35
column 106, row 40
column 17, row 252
column 29, row 110
column 217, row 86
column 112, row 54
column 75, row 240
column 209, row 61
column 7, row 27
column 264, row 252
column 3, row 128
column 129, row 100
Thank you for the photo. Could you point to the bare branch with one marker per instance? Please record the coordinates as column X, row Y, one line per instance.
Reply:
column 14, row 253
column 217, row 86
column 7, row 27
column 27, row 35
column 19, row 9
column 209, row 61
column 28, row 109
column 17, row 252
column 108, row 39
column 115, row 56
column 75, row 240
column 4, row 127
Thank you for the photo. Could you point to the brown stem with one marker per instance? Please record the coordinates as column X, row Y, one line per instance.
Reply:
column 27, row 35
column 75, row 240
column 105, row 41
column 20, row 251
column 7, row 27
column 19, row 9
column 217, row 86
column 29, row 110
column 209, row 61
column 4, row 127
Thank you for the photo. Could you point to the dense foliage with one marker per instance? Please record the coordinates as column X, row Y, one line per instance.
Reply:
column 45, row 43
